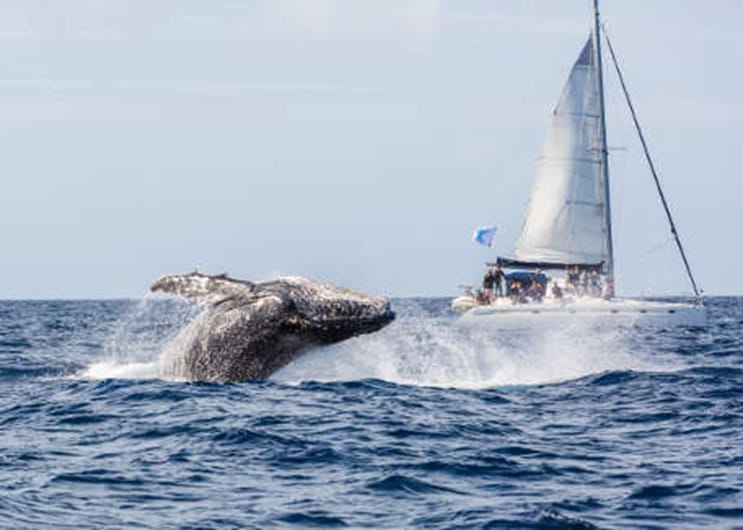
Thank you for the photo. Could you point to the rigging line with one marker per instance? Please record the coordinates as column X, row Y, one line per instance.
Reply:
column 652, row 166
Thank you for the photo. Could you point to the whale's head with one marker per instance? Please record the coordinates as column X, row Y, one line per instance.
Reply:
column 328, row 312
column 318, row 312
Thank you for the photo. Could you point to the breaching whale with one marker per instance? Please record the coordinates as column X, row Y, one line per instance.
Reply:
column 250, row 330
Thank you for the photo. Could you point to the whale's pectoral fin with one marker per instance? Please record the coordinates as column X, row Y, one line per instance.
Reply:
column 202, row 287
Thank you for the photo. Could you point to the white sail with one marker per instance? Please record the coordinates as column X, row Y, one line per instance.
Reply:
column 566, row 221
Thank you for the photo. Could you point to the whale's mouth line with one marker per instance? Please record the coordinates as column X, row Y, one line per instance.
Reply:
column 342, row 322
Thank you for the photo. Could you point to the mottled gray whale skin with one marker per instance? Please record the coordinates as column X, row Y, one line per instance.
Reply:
column 250, row 330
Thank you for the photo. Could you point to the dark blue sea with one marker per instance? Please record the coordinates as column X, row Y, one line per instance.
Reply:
column 422, row 425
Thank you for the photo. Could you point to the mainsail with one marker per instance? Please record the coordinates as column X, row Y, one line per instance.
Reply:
column 566, row 220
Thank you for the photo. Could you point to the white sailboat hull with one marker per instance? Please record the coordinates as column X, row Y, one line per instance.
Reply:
column 592, row 312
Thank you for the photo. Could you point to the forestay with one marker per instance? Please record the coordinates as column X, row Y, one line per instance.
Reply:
column 566, row 217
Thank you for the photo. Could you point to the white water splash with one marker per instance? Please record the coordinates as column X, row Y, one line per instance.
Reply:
column 417, row 349
column 121, row 370
column 427, row 351
column 144, row 341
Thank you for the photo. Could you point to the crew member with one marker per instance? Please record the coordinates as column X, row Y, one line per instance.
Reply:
column 595, row 284
column 536, row 289
column 499, row 278
column 487, row 285
column 573, row 278
column 516, row 292
column 608, row 290
column 535, row 292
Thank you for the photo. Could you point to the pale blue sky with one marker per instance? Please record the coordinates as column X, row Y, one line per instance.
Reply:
column 357, row 141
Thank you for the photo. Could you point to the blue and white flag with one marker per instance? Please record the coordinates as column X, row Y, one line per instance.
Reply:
column 484, row 235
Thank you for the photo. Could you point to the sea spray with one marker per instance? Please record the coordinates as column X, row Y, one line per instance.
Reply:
column 172, row 360
column 138, row 346
column 422, row 349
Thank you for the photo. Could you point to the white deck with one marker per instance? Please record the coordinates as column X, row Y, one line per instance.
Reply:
column 591, row 311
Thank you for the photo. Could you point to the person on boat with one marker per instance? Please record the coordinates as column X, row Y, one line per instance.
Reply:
column 487, row 285
column 608, row 293
column 499, row 276
column 482, row 297
column 517, row 294
column 573, row 278
column 535, row 291
column 583, row 291
column 594, row 284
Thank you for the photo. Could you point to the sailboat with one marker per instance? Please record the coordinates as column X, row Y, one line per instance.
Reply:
column 567, row 228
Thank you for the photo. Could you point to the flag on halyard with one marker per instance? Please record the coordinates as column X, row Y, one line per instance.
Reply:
column 484, row 235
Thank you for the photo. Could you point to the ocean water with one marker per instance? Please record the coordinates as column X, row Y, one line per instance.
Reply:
column 422, row 425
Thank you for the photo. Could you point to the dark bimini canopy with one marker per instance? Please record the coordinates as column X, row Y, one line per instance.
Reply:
column 515, row 264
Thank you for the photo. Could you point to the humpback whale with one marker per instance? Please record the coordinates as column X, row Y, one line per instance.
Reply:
column 249, row 330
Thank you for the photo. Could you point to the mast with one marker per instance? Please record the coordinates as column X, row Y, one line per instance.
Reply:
column 604, row 153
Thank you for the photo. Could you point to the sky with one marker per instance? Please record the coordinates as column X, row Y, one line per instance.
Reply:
column 354, row 141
